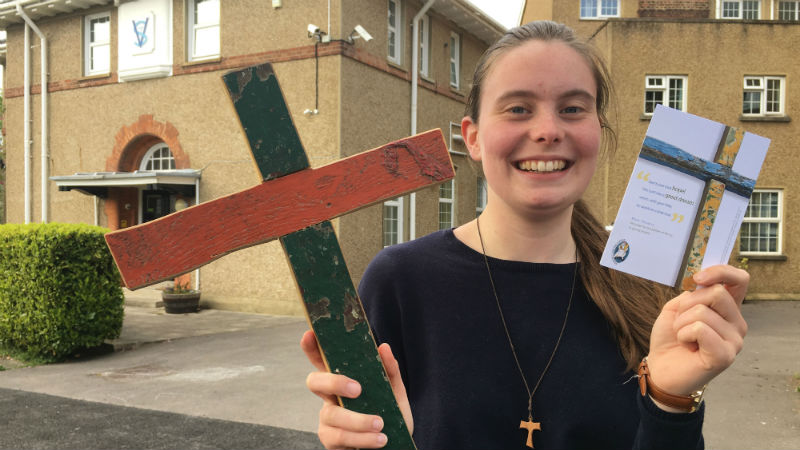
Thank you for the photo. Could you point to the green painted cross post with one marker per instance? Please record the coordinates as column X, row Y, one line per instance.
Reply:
column 294, row 204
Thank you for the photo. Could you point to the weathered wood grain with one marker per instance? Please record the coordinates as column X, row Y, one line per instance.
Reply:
column 340, row 324
column 265, row 119
column 181, row 242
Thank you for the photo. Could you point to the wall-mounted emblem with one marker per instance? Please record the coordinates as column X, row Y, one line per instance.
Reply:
column 143, row 33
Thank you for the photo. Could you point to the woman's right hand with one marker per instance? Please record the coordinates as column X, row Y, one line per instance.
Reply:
column 342, row 428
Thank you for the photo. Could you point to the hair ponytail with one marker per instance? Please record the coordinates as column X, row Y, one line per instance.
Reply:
column 630, row 304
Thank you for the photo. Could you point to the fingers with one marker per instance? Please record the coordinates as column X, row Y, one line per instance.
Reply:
column 704, row 303
column 735, row 280
column 393, row 370
column 309, row 345
column 328, row 386
column 340, row 427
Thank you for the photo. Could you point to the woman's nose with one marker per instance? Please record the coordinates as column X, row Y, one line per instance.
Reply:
column 546, row 128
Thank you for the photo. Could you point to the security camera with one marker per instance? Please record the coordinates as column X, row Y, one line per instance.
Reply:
column 312, row 29
column 363, row 33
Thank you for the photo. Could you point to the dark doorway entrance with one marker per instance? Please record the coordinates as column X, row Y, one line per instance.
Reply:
column 155, row 204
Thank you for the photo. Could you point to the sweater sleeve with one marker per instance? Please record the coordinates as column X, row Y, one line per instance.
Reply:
column 659, row 429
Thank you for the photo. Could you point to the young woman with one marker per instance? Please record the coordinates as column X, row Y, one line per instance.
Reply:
column 507, row 327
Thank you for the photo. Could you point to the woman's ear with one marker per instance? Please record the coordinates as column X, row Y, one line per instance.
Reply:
column 469, row 131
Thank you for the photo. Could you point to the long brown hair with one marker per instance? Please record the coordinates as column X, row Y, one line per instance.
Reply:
column 629, row 304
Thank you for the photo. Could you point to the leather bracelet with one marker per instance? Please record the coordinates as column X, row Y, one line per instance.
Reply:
column 688, row 403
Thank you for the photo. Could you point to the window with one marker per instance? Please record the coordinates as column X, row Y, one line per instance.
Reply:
column 424, row 45
column 393, row 222
column 455, row 61
column 789, row 10
column 97, row 44
column 763, row 96
column 203, row 29
column 668, row 90
column 480, row 201
column 741, row 9
column 446, row 209
column 158, row 157
column 395, row 32
column 761, row 228
column 598, row 9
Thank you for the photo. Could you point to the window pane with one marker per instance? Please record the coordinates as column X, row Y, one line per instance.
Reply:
column 730, row 10
column 751, row 103
column 588, row 8
column 446, row 190
column 676, row 93
column 100, row 30
column 750, row 9
column 389, row 225
column 609, row 7
column 651, row 99
column 392, row 14
column 206, row 12
column 392, row 39
column 787, row 11
column 206, row 41
column 773, row 95
column 445, row 215
column 101, row 59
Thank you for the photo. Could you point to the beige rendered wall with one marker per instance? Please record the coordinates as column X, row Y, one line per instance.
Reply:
column 84, row 122
column 714, row 91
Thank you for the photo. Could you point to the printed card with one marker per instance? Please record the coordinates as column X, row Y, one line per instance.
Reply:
column 686, row 198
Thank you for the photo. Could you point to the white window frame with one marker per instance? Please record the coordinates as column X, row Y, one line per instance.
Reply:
column 740, row 4
column 425, row 46
column 89, row 46
column 777, row 219
column 448, row 203
column 597, row 9
column 150, row 156
column 482, row 196
column 192, row 28
column 394, row 236
column 455, row 60
column 663, row 84
column 795, row 12
column 394, row 34
column 761, row 84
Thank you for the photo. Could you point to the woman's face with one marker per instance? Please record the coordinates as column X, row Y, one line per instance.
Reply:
column 538, row 132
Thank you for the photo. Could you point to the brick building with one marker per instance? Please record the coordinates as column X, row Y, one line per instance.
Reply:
column 732, row 61
column 135, row 121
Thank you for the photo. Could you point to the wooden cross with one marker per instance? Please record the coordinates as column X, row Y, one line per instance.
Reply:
column 531, row 426
column 294, row 206
column 719, row 177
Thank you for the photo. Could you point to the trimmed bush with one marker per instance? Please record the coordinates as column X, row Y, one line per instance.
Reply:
column 59, row 289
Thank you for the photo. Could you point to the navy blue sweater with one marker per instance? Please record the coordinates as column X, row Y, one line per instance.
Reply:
column 432, row 301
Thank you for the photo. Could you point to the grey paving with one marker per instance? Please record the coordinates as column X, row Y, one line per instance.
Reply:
column 221, row 379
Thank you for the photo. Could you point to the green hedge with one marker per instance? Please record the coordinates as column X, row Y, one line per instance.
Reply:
column 59, row 289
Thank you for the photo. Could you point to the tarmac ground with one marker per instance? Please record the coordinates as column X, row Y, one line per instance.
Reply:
column 228, row 380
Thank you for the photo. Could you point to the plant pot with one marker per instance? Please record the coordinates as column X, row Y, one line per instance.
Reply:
column 188, row 302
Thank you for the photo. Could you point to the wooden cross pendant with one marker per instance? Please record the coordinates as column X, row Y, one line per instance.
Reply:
column 531, row 426
column 294, row 204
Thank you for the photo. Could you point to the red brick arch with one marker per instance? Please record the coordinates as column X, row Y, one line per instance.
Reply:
column 132, row 142
column 130, row 145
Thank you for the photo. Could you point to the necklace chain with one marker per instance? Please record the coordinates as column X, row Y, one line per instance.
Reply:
column 508, row 335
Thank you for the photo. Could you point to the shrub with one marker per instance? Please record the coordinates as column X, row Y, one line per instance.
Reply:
column 59, row 289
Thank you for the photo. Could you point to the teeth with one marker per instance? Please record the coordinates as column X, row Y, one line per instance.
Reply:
column 542, row 166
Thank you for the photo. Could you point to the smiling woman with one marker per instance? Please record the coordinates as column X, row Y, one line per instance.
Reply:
column 506, row 332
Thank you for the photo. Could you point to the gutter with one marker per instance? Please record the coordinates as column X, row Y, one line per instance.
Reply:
column 45, row 156
column 412, row 231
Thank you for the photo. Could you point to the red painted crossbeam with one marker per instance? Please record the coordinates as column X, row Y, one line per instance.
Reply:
column 181, row 242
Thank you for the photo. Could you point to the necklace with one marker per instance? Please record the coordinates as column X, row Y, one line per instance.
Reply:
column 529, row 424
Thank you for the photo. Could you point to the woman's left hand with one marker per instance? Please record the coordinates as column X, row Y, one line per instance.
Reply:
column 698, row 334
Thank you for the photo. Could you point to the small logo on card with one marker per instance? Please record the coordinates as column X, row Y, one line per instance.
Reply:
column 621, row 251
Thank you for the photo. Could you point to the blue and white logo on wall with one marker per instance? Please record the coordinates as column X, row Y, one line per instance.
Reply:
column 621, row 251
column 143, row 33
